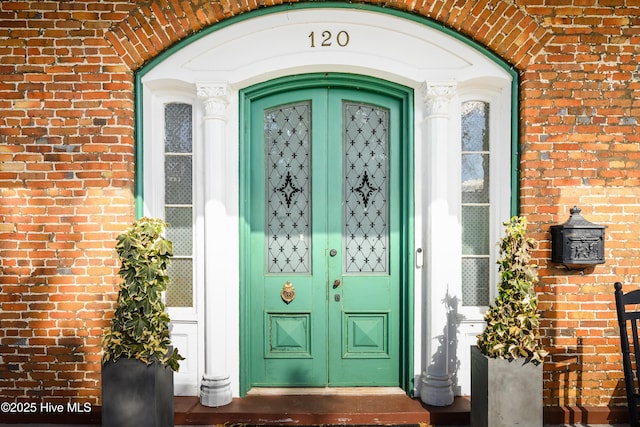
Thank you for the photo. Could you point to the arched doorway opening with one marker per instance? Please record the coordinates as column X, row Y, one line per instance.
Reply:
column 190, row 126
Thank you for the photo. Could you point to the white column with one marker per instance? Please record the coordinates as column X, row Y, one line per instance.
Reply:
column 435, row 383
column 216, row 382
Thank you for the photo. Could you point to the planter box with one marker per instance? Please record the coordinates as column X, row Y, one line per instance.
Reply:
column 137, row 395
column 505, row 393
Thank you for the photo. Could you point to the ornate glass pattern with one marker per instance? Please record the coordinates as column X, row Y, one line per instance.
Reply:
column 178, row 128
column 178, row 179
column 475, row 230
column 475, row 152
column 476, row 207
column 287, row 139
column 180, row 289
column 180, row 230
column 475, row 281
column 178, row 201
column 365, row 192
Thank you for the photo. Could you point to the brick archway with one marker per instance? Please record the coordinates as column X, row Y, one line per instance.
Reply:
column 150, row 39
column 504, row 28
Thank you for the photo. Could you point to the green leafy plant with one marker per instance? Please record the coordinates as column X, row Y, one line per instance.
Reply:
column 140, row 326
column 513, row 320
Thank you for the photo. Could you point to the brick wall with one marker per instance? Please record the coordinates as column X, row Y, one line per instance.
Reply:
column 580, row 146
column 66, row 169
column 66, row 183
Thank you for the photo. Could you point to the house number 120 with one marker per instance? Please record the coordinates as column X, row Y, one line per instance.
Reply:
column 327, row 39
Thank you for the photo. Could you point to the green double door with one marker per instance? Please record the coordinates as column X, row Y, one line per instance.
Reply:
column 325, row 234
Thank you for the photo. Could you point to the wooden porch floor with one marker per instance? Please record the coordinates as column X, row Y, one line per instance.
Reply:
column 313, row 410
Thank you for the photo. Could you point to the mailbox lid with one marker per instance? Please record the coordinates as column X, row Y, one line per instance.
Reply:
column 577, row 221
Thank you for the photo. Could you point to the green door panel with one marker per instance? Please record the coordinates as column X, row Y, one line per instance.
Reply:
column 364, row 323
column 326, row 214
column 288, row 340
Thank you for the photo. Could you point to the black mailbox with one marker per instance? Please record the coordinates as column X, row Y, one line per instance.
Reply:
column 578, row 243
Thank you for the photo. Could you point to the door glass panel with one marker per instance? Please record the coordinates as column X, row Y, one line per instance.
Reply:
column 475, row 286
column 180, row 290
column 475, row 129
column 475, row 178
column 180, row 230
column 475, row 226
column 365, row 192
column 178, row 181
column 178, row 128
column 287, row 139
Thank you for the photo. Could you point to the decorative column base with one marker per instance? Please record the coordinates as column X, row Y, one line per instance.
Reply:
column 436, row 391
column 215, row 391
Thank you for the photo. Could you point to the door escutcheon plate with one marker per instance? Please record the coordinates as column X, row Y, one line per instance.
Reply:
column 288, row 292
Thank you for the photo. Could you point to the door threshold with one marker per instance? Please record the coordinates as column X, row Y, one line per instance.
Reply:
column 325, row 391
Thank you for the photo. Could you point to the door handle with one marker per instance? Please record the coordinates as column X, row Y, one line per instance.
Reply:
column 336, row 283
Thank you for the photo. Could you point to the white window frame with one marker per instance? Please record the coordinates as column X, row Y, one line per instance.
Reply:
column 173, row 92
column 499, row 176
column 186, row 322
column 471, row 318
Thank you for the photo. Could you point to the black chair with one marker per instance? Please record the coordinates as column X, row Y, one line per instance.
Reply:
column 628, row 322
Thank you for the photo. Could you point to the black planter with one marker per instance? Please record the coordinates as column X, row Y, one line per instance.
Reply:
column 137, row 395
column 505, row 393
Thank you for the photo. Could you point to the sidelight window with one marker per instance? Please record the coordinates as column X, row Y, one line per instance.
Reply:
column 476, row 203
column 178, row 200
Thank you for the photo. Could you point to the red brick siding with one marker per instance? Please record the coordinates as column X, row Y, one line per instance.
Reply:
column 66, row 169
column 580, row 147
column 66, row 190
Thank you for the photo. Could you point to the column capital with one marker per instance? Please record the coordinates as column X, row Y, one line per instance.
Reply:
column 215, row 99
column 436, row 97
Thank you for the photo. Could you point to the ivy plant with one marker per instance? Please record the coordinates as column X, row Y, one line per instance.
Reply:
column 140, row 326
column 512, row 322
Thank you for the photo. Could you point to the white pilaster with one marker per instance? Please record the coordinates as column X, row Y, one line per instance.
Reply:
column 215, row 387
column 435, row 384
